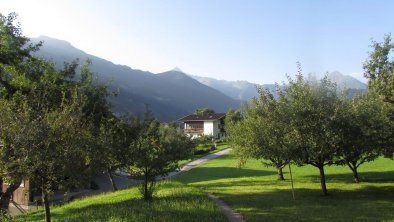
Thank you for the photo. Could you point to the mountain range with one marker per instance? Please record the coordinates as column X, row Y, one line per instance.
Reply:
column 240, row 90
column 170, row 95
column 244, row 91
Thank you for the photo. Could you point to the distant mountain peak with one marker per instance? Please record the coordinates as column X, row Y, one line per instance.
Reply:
column 177, row 69
column 45, row 38
column 346, row 81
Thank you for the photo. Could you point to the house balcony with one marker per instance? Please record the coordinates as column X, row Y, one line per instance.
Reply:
column 194, row 131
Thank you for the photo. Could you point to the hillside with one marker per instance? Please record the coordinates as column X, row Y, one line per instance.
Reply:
column 243, row 90
column 346, row 81
column 170, row 95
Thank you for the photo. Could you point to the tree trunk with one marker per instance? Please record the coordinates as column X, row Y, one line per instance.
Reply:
column 146, row 187
column 355, row 175
column 45, row 200
column 111, row 178
column 353, row 167
column 5, row 197
column 280, row 173
column 323, row 181
column 1, row 185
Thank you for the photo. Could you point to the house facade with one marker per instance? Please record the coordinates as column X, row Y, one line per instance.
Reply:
column 209, row 125
column 21, row 196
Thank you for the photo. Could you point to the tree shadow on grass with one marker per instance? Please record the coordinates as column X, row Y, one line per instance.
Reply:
column 373, row 177
column 366, row 204
column 203, row 174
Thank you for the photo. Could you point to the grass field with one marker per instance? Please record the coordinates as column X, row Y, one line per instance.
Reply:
column 173, row 202
column 255, row 192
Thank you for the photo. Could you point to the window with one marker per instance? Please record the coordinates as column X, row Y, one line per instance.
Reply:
column 194, row 125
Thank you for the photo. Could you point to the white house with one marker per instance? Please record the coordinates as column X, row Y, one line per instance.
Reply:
column 210, row 125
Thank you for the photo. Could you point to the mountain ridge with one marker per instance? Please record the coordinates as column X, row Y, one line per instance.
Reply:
column 170, row 95
column 244, row 90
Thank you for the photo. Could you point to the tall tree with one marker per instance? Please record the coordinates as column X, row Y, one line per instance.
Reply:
column 263, row 133
column 49, row 120
column 15, row 132
column 58, row 159
column 379, row 68
column 364, row 129
column 115, row 152
column 14, row 53
column 157, row 150
column 314, row 119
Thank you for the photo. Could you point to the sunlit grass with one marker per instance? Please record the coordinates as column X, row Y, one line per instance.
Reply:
column 255, row 192
column 173, row 202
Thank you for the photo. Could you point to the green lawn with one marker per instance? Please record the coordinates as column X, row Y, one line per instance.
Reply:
column 173, row 202
column 255, row 192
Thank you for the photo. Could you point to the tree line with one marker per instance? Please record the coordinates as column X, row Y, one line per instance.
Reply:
column 314, row 123
column 57, row 128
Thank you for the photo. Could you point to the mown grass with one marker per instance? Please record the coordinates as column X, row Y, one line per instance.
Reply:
column 173, row 202
column 255, row 192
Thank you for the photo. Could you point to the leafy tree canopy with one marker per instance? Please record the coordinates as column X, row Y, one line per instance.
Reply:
column 204, row 111
column 379, row 68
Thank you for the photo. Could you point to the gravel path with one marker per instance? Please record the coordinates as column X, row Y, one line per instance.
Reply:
column 198, row 162
column 231, row 215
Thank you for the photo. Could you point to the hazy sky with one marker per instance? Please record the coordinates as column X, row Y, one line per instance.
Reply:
column 255, row 40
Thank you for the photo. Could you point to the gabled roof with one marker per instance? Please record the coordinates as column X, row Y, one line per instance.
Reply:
column 193, row 117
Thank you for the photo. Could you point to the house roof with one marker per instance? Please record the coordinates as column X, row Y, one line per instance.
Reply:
column 194, row 117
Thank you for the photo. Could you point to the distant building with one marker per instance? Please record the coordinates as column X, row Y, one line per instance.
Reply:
column 22, row 196
column 209, row 125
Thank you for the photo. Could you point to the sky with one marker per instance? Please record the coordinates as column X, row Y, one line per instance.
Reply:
column 255, row 40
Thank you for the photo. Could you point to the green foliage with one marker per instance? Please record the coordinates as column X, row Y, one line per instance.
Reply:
column 203, row 144
column 202, row 149
column 315, row 121
column 204, row 111
column 112, row 150
column 204, row 140
column 5, row 217
column 232, row 117
column 49, row 121
column 157, row 151
column 13, row 45
column 264, row 132
column 379, row 68
column 364, row 129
